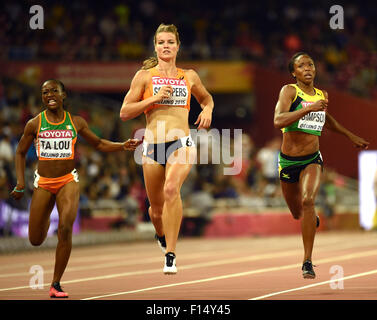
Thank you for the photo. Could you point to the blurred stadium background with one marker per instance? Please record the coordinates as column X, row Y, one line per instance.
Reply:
column 241, row 50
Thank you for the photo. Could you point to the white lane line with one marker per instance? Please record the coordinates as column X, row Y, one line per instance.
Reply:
column 363, row 274
column 186, row 267
column 240, row 274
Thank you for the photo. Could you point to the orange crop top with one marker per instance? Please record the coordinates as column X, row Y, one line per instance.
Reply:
column 181, row 90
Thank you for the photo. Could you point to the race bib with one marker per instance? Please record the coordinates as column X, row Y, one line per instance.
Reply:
column 55, row 144
column 313, row 120
column 179, row 95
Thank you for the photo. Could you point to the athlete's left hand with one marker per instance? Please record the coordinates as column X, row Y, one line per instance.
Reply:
column 204, row 119
column 359, row 142
column 131, row 144
column 17, row 193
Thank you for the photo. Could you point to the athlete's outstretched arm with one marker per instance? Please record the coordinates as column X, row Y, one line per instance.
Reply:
column 102, row 144
column 335, row 126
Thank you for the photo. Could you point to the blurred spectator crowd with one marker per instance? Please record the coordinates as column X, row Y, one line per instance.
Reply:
column 268, row 32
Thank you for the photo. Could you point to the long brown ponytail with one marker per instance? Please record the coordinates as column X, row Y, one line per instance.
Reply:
column 149, row 63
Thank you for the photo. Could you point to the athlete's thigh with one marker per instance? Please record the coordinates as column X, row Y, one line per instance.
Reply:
column 154, row 179
column 310, row 179
column 184, row 155
column 292, row 196
column 42, row 203
column 179, row 165
column 67, row 202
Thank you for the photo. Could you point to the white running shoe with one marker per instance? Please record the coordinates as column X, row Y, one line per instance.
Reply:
column 170, row 266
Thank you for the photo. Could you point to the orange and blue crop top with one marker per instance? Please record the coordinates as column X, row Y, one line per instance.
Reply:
column 181, row 94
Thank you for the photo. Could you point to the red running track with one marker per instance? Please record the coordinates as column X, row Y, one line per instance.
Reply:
column 259, row 268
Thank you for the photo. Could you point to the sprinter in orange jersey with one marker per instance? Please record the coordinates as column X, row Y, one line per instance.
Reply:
column 301, row 113
column 54, row 132
column 162, row 92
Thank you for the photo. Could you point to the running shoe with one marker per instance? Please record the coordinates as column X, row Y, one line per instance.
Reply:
column 56, row 291
column 307, row 270
column 318, row 221
column 170, row 266
column 161, row 242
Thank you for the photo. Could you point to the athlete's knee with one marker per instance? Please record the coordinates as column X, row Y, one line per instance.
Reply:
column 155, row 211
column 65, row 231
column 171, row 191
column 296, row 215
column 36, row 241
column 308, row 201
column 38, row 234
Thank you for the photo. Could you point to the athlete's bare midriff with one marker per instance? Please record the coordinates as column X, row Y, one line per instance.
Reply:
column 166, row 124
column 55, row 168
column 298, row 144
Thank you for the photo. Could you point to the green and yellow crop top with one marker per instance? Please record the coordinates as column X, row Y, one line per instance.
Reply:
column 312, row 122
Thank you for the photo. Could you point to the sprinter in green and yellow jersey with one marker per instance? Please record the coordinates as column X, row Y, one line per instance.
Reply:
column 54, row 132
column 301, row 114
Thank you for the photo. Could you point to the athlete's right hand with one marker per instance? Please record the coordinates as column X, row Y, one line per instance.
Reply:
column 17, row 193
column 164, row 93
column 320, row 105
